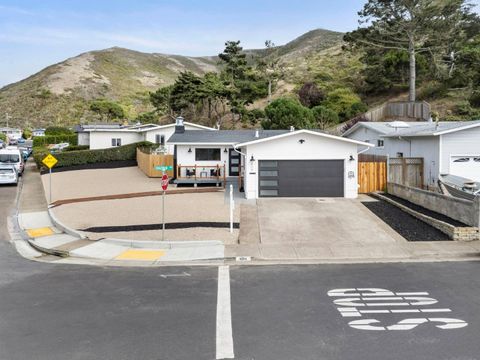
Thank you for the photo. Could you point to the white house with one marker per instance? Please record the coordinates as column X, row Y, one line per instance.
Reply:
column 38, row 132
column 110, row 135
column 447, row 147
column 273, row 163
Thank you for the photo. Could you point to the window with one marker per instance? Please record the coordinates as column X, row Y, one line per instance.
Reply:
column 207, row 154
column 9, row 158
column 399, row 154
column 477, row 159
column 464, row 159
column 380, row 143
column 116, row 142
column 160, row 139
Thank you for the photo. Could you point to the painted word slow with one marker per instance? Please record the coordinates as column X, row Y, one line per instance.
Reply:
column 368, row 302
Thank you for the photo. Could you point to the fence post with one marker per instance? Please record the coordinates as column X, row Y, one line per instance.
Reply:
column 476, row 211
column 404, row 172
column 232, row 206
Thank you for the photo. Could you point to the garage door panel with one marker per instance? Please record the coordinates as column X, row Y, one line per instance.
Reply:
column 303, row 178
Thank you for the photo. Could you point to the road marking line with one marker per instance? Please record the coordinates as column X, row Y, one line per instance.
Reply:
column 45, row 231
column 224, row 343
column 137, row 254
column 411, row 293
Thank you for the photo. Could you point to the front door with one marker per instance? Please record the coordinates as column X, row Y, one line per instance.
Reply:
column 233, row 163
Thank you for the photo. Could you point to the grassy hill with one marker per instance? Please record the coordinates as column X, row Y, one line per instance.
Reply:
column 60, row 93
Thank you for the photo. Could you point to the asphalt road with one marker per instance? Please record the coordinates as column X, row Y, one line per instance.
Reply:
column 51, row 311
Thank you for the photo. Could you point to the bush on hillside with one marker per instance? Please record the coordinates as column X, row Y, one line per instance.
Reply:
column 475, row 99
column 3, row 137
column 83, row 157
column 54, row 139
column 310, row 95
column 58, row 130
column 345, row 103
column 324, row 117
column 284, row 112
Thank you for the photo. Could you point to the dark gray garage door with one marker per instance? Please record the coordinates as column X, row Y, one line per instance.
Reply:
column 301, row 178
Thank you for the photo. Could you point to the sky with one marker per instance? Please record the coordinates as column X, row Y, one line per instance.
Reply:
column 38, row 33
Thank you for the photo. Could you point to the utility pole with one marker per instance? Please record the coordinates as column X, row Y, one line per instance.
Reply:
column 7, row 116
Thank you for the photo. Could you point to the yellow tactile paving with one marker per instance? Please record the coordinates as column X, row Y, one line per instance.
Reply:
column 135, row 254
column 45, row 231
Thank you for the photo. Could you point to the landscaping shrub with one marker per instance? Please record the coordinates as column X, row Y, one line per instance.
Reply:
column 58, row 130
column 345, row 103
column 82, row 157
column 76, row 147
column 54, row 139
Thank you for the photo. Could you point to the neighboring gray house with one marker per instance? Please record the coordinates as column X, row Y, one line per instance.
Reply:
column 447, row 147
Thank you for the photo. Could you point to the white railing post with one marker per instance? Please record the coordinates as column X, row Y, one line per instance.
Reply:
column 232, row 207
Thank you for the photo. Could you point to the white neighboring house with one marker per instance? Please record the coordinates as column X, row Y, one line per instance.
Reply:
column 274, row 163
column 38, row 132
column 102, row 136
column 12, row 133
column 447, row 147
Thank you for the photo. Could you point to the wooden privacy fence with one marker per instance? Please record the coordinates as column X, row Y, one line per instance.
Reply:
column 406, row 171
column 405, row 110
column 147, row 162
column 372, row 173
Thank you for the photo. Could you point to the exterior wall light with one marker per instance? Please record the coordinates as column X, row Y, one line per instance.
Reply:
column 252, row 159
column 225, row 150
column 351, row 158
column 189, row 150
column 301, row 141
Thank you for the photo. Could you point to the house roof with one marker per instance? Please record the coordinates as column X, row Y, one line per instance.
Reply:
column 134, row 128
column 434, row 129
column 417, row 128
column 311, row 132
column 220, row 136
column 241, row 138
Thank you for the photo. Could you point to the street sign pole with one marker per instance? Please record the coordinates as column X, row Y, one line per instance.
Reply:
column 163, row 216
column 50, row 185
column 164, row 188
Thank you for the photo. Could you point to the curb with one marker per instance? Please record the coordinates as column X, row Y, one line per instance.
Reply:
column 146, row 244
column 58, row 224
column 53, row 252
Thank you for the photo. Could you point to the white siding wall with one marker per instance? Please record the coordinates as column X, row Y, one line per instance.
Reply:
column 103, row 140
column 83, row 138
column 428, row 149
column 167, row 132
column 289, row 148
column 465, row 142
column 185, row 158
column 391, row 146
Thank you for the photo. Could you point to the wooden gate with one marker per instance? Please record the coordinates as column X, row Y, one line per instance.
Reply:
column 147, row 162
column 406, row 171
column 372, row 173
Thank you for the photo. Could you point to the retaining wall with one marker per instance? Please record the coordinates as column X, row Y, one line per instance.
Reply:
column 465, row 211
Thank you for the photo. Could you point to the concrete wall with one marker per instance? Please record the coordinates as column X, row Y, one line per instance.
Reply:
column 103, row 139
column 465, row 211
column 289, row 148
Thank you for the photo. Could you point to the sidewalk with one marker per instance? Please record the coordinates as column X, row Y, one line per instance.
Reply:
column 46, row 234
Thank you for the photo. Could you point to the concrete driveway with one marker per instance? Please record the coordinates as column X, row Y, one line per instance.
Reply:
column 332, row 226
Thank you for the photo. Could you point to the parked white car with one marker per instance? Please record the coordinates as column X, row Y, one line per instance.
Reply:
column 12, row 156
column 8, row 174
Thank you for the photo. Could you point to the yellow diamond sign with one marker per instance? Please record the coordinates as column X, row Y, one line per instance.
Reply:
column 49, row 161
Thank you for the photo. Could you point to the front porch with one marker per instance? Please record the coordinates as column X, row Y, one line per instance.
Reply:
column 200, row 175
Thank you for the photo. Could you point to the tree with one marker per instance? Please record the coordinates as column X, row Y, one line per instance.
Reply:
column 310, row 95
column 284, row 112
column 345, row 103
column 235, row 61
column 107, row 110
column 27, row 133
column 270, row 66
column 160, row 100
column 412, row 26
column 324, row 117
column 147, row 117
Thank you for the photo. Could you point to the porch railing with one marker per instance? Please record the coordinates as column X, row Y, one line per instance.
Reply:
column 200, row 172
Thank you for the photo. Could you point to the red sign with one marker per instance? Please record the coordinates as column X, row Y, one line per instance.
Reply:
column 164, row 182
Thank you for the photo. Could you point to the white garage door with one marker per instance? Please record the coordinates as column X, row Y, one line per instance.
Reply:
column 466, row 166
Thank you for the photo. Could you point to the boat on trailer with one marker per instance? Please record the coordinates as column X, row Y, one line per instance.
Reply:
column 459, row 186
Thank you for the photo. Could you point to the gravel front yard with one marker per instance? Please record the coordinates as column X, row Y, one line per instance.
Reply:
column 406, row 225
